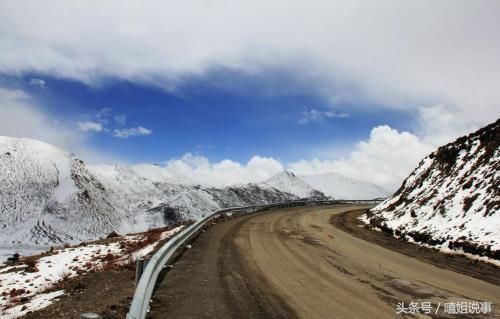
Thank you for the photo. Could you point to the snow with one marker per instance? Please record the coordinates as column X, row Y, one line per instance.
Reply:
column 342, row 187
column 161, row 174
column 45, row 161
column 149, row 248
column 433, row 199
column 194, row 203
column 323, row 186
column 36, row 303
column 40, row 202
column 49, row 197
column 65, row 263
column 288, row 182
column 471, row 256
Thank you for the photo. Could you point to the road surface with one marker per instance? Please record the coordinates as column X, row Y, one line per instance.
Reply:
column 294, row 263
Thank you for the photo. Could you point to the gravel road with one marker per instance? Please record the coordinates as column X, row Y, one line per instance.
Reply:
column 294, row 263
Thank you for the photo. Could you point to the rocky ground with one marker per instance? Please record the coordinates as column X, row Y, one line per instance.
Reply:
column 93, row 276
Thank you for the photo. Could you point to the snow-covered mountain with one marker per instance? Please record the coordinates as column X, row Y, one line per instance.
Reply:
column 287, row 181
column 48, row 196
column 159, row 174
column 324, row 186
column 452, row 199
column 342, row 187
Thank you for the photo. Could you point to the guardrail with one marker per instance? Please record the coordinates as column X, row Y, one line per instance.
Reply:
column 146, row 285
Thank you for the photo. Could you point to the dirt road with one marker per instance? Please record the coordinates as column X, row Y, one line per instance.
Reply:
column 295, row 264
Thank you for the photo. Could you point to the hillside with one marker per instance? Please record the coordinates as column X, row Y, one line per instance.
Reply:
column 452, row 199
column 287, row 181
column 48, row 196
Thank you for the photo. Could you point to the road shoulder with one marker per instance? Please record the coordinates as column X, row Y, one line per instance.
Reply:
column 211, row 280
column 348, row 222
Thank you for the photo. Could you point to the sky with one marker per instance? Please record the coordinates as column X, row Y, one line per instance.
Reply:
column 236, row 91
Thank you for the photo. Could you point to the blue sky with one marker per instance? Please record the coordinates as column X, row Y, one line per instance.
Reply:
column 237, row 91
column 207, row 119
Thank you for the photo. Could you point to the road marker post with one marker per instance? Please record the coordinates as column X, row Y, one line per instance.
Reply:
column 139, row 269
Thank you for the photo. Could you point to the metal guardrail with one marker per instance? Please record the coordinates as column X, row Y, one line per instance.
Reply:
column 146, row 285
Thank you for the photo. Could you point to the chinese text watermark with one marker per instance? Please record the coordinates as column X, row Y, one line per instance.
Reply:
column 452, row 308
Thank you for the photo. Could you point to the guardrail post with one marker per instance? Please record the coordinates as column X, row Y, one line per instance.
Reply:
column 146, row 261
column 139, row 269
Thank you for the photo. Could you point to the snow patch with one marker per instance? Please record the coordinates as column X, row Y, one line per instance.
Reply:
column 452, row 199
column 20, row 281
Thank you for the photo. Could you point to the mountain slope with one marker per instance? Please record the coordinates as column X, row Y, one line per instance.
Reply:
column 288, row 182
column 342, row 187
column 196, row 202
column 452, row 198
column 48, row 196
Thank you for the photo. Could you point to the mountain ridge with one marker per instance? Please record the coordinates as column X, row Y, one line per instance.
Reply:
column 288, row 182
column 49, row 196
column 342, row 187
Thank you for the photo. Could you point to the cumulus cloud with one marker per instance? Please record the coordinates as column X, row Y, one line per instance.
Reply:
column 438, row 125
column 132, row 131
column 388, row 156
column 385, row 158
column 311, row 115
column 399, row 54
column 225, row 172
column 90, row 126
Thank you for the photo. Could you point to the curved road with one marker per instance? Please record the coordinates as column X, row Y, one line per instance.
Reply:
column 294, row 263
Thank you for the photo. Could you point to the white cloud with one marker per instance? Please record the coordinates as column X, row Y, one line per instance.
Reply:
column 398, row 53
column 385, row 159
column 388, row 156
column 132, row 131
column 225, row 172
column 37, row 82
column 8, row 96
column 121, row 119
column 103, row 114
column 90, row 126
column 340, row 115
column 311, row 115
column 21, row 116
column 438, row 125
